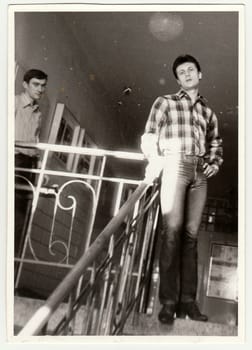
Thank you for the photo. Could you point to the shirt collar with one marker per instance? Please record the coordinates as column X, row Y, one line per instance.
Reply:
column 27, row 101
column 182, row 93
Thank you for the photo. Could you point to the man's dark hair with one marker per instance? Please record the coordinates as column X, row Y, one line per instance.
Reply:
column 34, row 73
column 184, row 59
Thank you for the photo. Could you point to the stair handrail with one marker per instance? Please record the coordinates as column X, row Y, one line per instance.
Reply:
column 36, row 323
column 80, row 150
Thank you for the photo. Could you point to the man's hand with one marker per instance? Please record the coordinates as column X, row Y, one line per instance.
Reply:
column 154, row 168
column 149, row 145
column 210, row 169
column 46, row 177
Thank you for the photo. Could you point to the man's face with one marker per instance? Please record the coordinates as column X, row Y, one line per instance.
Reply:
column 188, row 76
column 35, row 88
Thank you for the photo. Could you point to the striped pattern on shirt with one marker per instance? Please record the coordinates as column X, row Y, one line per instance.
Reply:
column 182, row 126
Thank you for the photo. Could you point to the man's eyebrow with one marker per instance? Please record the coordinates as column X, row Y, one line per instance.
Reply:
column 38, row 83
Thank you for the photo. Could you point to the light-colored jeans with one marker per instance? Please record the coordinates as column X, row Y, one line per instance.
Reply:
column 183, row 196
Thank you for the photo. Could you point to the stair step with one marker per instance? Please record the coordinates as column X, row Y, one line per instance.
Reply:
column 24, row 308
column 136, row 325
column 142, row 324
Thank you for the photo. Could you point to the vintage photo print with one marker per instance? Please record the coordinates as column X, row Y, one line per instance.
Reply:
column 126, row 173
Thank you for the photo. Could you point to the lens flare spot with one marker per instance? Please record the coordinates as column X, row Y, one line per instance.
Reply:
column 166, row 26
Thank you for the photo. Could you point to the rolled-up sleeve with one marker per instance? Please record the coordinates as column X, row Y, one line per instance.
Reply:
column 215, row 144
column 149, row 139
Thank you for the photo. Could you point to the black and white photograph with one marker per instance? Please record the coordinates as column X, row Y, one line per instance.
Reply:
column 125, row 182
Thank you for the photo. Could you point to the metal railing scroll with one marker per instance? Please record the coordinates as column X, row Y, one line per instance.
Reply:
column 112, row 276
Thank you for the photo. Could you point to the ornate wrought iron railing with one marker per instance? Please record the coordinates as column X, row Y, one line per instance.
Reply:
column 112, row 276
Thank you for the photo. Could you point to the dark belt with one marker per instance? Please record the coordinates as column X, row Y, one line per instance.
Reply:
column 190, row 158
column 193, row 159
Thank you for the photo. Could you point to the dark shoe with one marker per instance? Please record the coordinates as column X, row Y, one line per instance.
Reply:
column 166, row 315
column 190, row 309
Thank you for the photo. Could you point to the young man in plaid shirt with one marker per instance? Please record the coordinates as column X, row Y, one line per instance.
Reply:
column 183, row 130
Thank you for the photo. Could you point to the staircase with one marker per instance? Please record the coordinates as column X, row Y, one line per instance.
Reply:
column 137, row 325
column 24, row 308
column 143, row 324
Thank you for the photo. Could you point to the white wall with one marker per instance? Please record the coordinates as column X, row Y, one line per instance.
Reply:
column 44, row 42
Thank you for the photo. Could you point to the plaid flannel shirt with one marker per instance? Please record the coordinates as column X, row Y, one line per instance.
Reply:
column 181, row 126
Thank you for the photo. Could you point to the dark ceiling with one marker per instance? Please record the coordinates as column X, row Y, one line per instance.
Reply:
column 136, row 50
